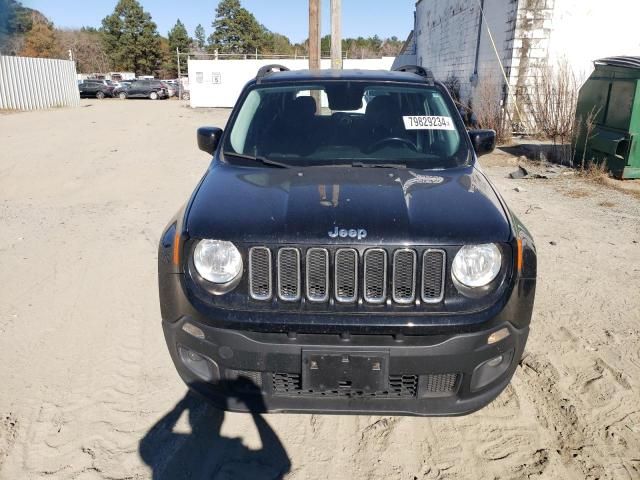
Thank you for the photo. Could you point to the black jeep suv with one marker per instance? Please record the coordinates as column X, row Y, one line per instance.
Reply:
column 153, row 89
column 344, row 253
column 96, row 89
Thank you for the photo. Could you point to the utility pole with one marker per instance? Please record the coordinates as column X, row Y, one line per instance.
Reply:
column 314, row 34
column 179, row 75
column 336, row 34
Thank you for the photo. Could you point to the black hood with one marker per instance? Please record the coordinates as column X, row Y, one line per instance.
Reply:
column 302, row 205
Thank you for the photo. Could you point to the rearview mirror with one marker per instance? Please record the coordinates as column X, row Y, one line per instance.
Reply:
column 208, row 138
column 484, row 141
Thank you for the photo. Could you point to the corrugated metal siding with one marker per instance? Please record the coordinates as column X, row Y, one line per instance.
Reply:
column 36, row 83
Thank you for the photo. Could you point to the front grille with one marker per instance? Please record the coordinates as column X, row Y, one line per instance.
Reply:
column 402, row 275
column 290, row 384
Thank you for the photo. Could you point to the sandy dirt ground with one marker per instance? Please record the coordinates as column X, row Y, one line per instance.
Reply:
column 88, row 391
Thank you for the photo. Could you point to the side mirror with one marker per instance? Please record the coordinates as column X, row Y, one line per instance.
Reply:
column 208, row 138
column 484, row 141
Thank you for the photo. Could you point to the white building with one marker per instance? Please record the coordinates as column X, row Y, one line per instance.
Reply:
column 456, row 41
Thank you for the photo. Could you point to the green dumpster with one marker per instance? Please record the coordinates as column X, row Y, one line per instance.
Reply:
column 610, row 98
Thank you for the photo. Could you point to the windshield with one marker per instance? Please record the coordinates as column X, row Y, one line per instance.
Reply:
column 354, row 123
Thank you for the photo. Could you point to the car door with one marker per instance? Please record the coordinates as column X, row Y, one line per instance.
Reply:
column 89, row 89
column 133, row 89
column 140, row 88
column 83, row 89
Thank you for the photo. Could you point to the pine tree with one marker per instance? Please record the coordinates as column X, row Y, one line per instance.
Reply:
column 7, row 20
column 200, row 38
column 131, row 38
column 179, row 39
column 236, row 30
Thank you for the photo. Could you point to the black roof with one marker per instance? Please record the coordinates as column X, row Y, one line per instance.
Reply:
column 352, row 75
column 626, row 62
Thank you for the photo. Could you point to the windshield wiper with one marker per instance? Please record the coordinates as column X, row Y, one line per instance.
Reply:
column 378, row 165
column 263, row 160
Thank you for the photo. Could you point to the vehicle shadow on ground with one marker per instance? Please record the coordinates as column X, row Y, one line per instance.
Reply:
column 205, row 453
column 558, row 153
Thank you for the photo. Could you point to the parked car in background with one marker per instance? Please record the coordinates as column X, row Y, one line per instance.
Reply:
column 121, row 91
column 172, row 90
column 95, row 89
column 153, row 89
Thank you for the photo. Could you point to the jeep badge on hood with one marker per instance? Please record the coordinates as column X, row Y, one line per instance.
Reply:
column 360, row 233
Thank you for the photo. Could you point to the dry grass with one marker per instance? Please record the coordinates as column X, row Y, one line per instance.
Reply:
column 596, row 173
column 489, row 112
column 577, row 193
column 553, row 100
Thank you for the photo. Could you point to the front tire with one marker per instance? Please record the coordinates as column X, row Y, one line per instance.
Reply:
column 100, row 95
column 153, row 95
column 122, row 96
column 186, row 96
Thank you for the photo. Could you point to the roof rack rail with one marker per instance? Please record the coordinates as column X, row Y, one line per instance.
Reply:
column 269, row 69
column 423, row 72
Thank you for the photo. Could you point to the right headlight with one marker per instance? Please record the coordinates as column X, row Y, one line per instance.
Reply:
column 217, row 261
column 476, row 266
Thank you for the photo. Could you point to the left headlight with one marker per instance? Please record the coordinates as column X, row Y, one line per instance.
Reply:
column 476, row 266
column 217, row 261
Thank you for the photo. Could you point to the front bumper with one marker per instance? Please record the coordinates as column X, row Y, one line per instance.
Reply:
column 431, row 375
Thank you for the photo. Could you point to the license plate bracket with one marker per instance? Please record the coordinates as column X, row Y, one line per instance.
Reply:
column 367, row 372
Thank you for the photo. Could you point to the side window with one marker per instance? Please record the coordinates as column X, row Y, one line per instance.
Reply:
column 243, row 121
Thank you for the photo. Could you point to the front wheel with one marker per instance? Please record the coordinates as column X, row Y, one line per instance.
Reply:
column 153, row 95
column 100, row 95
column 186, row 96
column 122, row 96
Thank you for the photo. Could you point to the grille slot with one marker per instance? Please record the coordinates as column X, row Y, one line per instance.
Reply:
column 375, row 276
column 439, row 383
column 346, row 275
column 290, row 384
column 403, row 385
column 253, row 379
column 433, row 272
column 260, row 273
column 404, row 276
column 317, row 280
column 289, row 274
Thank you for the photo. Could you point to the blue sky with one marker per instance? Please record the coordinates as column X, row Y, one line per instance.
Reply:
column 289, row 17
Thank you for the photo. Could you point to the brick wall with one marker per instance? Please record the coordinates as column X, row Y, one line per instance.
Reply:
column 447, row 42
column 527, row 34
column 446, row 34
